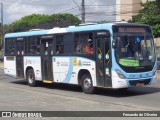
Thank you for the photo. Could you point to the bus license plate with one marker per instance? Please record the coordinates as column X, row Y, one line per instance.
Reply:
column 140, row 84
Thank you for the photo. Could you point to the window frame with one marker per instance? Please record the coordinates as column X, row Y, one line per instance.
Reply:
column 33, row 43
column 10, row 43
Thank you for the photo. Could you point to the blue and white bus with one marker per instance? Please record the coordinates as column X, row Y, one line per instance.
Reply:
column 123, row 56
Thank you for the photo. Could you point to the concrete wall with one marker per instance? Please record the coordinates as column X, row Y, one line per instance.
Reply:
column 157, row 42
column 127, row 8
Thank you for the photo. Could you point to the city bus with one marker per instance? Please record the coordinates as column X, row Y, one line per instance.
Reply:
column 123, row 56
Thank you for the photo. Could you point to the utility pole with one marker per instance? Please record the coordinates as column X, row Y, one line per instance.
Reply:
column 83, row 12
column 2, row 23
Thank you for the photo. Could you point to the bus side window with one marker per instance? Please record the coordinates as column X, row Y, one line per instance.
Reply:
column 10, row 47
column 78, row 44
column 88, row 47
column 59, row 44
column 79, row 49
column 33, row 46
column 84, row 43
column 59, row 49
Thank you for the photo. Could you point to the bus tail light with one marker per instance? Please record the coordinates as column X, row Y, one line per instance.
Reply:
column 120, row 74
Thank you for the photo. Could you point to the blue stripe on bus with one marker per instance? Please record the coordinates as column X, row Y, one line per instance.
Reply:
column 68, row 29
column 90, row 27
column 29, row 33
column 83, row 28
column 70, row 70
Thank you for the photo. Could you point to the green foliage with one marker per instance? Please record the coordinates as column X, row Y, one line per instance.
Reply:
column 150, row 14
column 39, row 21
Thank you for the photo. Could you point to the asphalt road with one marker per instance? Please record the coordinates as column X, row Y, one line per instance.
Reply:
column 16, row 95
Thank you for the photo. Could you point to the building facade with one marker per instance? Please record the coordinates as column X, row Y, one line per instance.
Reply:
column 127, row 8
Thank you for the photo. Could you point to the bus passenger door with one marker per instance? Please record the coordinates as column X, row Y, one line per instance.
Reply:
column 19, row 58
column 47, row 52
column 103, row 62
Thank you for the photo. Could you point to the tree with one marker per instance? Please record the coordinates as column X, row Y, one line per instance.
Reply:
column 149, row 14
column 39, row 21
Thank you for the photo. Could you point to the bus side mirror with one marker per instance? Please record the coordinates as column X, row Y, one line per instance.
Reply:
column 114, row 43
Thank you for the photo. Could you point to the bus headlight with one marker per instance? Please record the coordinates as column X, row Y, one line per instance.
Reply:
column 120, row 74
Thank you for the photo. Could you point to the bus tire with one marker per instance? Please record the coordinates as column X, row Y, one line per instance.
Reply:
column 87, row 84
column 31, row 78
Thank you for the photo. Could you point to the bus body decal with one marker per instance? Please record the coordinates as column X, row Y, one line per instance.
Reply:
column 70, row 70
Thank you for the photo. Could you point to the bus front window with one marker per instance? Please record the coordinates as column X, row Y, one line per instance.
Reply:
column 135, row 51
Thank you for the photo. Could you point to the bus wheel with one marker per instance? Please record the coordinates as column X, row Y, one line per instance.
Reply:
column 31, row 78
column 87, row 85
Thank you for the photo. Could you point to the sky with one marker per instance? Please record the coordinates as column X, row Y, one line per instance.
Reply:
column 96, row 10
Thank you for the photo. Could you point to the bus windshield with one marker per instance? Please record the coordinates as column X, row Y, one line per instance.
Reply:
column 135, row 50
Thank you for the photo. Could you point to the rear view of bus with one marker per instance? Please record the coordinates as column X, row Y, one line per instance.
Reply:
column 133, row 56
